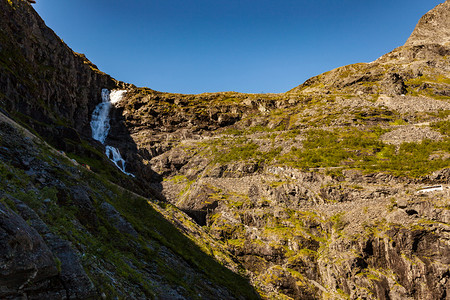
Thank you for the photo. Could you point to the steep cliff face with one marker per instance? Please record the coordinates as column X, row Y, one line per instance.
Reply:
column 317, row 193
column 43, row 81
column 52, row 90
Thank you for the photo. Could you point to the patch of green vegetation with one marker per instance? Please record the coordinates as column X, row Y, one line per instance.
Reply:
column 338, row 222
column 290, row 134
column 236, row 204
column 334, row 172
column 58, row 264
column 417, row 81
column 230, row 100
column 377, row 228
column 177, row 179
column 398, row 122
column 441, row 114
column 241, row 149
column 186, row 189
column 259, row 128
column 442, row 126
column 410, row 159
column 307, row 252
column 335, row 150
column 392, row 205
column 236, row 242
column 9, row 203
column 323, row 148
column 423, row 85
column 348, row 70
column 232, row 131
column 343, row 294
column 96, row 161
column 275, row 184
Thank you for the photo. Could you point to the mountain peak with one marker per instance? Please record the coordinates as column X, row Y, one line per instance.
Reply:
column 433, row 27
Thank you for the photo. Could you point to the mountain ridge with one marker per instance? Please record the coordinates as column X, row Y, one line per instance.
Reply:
column 316, row 193
column 432, row 28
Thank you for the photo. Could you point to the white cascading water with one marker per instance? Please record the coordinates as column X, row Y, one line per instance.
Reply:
column 114, row 155
column 100, row 118
column 100, row 126
column 116, row 96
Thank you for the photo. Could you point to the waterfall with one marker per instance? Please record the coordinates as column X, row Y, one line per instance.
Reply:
column 116, row 96
column 114, row 155
column 100, row 126
column 100, row 118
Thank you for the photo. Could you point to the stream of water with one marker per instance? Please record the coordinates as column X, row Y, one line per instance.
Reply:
column 100, row 126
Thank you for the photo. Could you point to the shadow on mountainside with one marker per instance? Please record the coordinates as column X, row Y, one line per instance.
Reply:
column 52, row 91
column 119, row 136
column 71, row 204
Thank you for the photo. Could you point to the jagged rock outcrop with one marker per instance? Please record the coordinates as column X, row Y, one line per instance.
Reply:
column 266, row 184
column 433, row 27
column 316, row 193
column 44, row 82
column 25, row 258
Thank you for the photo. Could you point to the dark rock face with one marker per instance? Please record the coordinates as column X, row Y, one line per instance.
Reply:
column 73, row 280
column 117, row 220
column 42, row 78
column 25, row 259
column 299, row 234
column 86, row 211
column 53, row 234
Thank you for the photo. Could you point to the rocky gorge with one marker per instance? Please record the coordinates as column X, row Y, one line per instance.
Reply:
column 336, row 189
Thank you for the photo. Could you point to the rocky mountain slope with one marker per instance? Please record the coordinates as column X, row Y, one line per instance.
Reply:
column 316, row 193
column 67, row 231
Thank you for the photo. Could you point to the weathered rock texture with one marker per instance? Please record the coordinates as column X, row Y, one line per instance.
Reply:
column 66, row 232
column 433, row 27
column 303, row 187
column 41, row 77
column 316, row 193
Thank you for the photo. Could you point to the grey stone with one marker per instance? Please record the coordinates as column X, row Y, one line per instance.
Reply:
column 25, row 259
column 117, row 220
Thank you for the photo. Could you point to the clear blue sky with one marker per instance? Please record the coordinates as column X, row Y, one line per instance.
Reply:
column 195, row 46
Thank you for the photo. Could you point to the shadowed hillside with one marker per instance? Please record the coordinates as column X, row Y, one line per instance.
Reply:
column 336, row 189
